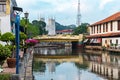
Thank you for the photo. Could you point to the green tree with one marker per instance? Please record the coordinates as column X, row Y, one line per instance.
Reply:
column 32, row 30
column 83, row 28
column 41, row 26
column 7, row 37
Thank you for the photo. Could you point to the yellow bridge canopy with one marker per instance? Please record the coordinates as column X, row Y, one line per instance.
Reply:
column 59, row 38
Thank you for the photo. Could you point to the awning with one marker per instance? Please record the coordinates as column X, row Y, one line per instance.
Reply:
column 96, row 40
column 85, row 40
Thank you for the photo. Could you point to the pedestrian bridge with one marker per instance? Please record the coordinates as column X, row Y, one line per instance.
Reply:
column 59, row 38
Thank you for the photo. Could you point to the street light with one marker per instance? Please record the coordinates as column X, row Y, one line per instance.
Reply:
column 26, row 14
column 17, row 11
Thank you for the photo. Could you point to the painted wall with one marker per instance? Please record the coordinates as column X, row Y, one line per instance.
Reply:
column 5, row 25
column 108, row 40
column 115, row 28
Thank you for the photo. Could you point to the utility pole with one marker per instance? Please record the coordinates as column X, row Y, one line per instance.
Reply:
column 78, row 14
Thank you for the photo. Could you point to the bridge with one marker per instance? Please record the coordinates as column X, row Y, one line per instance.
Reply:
column 59, row 38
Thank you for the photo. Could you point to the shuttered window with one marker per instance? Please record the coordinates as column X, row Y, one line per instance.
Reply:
column 111, row 26
column 2, row 6
column 106, row 27
column 118, row 25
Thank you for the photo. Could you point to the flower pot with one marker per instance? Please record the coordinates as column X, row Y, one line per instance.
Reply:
column 11, row 62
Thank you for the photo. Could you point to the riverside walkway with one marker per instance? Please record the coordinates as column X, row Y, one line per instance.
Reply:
column 25, row 67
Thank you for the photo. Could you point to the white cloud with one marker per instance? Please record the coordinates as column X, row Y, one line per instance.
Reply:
column 104, row 2
column 66, row 8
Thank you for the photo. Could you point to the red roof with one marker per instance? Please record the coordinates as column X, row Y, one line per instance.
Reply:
column 113, row 17
column 68, row 30
column 114, row 34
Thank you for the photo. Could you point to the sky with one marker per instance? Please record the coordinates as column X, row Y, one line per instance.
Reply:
column 65, row 11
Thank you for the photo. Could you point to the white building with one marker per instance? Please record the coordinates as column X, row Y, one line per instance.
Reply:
column 107, row 29
column 51, row 27
column 6, row 17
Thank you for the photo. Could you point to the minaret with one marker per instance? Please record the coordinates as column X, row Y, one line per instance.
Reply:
column 78, row 14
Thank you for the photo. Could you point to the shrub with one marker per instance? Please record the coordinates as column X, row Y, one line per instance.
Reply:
column 4, row 76
column 4, row 52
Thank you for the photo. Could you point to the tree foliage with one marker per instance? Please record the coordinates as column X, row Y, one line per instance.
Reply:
column 7, row 37
column 62, row 27
column 23, row 36
column 32, row 30
column 83, row 28
column 41, row 26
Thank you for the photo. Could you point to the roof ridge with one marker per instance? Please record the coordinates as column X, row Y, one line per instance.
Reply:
column 113, row 17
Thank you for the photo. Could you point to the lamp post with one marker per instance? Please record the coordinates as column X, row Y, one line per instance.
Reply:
column 17, row 11
column 26, row 14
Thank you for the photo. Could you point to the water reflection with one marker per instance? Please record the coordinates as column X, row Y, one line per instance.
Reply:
column 104, row 64
column 53, row 51
column 87, row 65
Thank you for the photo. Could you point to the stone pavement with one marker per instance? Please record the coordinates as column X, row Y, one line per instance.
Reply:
column 25, row 67
column 8, row 70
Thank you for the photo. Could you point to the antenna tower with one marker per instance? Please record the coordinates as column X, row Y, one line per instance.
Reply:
column 78, row 14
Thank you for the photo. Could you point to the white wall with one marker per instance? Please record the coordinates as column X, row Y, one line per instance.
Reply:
column 111, row 38
column 5, row 25
column 114, row 24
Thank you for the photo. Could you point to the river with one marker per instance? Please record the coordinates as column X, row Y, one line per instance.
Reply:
column 53, row 63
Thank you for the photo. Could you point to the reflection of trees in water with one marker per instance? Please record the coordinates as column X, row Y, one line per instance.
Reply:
column 81, row 66
column 57, row 63
column 39, row 66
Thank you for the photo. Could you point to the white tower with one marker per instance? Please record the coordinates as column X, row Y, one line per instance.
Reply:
column 51, row 27
column 78, row 14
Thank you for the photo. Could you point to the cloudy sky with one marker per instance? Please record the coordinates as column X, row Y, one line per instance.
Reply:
column 65, row 11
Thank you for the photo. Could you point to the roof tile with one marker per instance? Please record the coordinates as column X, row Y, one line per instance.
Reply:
column 113, row 17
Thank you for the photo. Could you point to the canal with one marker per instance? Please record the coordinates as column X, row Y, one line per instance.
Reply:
column 53, row 63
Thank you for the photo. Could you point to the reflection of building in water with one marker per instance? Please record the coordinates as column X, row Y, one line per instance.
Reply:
column 52, row 52
column 51, row 66
column 109, row 66
column 106, row 70
column 68, row 50
column 106, row 57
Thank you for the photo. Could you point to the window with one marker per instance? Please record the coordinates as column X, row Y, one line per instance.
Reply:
column 2, row 6
column 106, row 41
column 103, row 27
column 97, row 28
column 116, row 41
column 106, row 27
column 100, row 28
column 118, row 25
column 111, row 26
column 110, row 41
column 94, row 29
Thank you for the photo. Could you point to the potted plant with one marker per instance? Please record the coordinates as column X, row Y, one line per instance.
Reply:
column 9, row 38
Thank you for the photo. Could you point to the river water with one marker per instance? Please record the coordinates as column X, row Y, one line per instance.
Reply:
column 68, row 64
